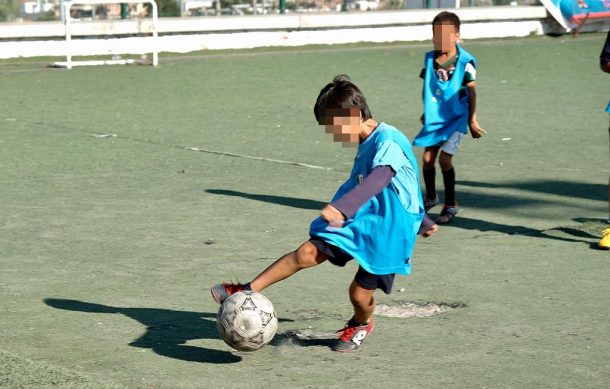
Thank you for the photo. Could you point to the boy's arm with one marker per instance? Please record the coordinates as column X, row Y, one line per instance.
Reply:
column 475, row 129
column 346, row 207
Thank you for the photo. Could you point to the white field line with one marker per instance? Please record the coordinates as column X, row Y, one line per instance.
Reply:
column 216, row 152
column 258, row 158
column 208, row 151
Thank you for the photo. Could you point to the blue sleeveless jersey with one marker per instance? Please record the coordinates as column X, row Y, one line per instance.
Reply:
column 382, row 233
column 444, row 111
column 608, row 107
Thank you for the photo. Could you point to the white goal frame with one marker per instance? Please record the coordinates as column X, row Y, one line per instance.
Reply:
column 69, row 63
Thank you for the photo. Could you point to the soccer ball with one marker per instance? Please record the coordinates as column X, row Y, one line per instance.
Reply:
column 246, row 321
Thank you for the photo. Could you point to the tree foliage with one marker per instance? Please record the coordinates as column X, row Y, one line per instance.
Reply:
column 9, row 9
column 165, row 8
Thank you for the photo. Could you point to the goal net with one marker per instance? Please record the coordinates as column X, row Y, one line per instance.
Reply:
column 114, row 38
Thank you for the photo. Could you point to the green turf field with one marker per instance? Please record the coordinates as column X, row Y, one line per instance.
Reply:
column 126, row 192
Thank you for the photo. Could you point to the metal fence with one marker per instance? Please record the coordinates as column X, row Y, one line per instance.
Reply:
column 51, row 10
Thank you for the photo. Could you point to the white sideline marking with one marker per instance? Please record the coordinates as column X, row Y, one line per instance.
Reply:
column 104, row 135
column 114, row 135
column 258, row 158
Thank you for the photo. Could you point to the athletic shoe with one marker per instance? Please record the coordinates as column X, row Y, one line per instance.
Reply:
column 352, row 336
column 429, row 204
column 220, row 292
column 604, row 242
column 447, row 214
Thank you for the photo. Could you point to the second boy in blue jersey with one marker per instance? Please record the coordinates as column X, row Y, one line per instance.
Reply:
column 449, row 109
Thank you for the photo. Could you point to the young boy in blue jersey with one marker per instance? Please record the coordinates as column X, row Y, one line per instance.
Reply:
column 449, row 97
column 604, row 64
column 374, row 217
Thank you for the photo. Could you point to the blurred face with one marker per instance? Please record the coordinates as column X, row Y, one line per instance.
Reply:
column 343, row 124
column 445, row 37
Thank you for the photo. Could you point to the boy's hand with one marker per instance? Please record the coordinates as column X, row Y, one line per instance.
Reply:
column 475, row 130
column 332, row 216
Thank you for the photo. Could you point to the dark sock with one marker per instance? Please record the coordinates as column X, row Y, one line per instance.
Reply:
column 449, row 180
column 429, row 178
column 247, row 286
column 354, row 323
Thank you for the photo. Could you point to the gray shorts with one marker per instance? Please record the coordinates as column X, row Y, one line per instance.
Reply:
column 451, row 145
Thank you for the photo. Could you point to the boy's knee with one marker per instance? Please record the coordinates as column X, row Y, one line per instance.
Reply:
column 361, row 295
column 428, row 164
column 307, row 255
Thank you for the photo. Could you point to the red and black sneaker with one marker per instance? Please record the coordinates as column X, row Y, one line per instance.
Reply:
column 352, row 336
column 220, row 292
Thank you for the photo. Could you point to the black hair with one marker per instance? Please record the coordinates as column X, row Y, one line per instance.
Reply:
column 446, row 17
column 341, row 93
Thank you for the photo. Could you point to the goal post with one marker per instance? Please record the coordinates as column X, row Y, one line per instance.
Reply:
column 70, row 51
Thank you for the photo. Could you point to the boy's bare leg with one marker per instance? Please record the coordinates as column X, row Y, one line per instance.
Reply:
column 362, row 324
column 446, row 161
column 363, row 302
column 305, row 256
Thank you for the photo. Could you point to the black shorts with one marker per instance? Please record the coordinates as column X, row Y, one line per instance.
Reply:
column 365, row 279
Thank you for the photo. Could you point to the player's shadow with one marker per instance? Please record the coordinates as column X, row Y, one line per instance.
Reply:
column 167, row 331
column 580, row 190
column 486, row 226
column 595, row 223
column 293, row 202
column 496, row 201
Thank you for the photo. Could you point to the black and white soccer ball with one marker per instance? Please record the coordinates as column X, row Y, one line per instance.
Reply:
column 246, row 321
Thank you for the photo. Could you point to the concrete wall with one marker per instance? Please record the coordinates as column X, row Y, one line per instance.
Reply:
column 235, row 32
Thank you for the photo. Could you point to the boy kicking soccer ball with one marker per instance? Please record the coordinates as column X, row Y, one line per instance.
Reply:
column 373, row 218
column 449, row 96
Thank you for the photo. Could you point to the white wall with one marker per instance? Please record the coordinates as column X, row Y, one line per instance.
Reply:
column 211, row 33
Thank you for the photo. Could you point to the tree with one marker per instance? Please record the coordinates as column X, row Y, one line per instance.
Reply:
column 9, row 9
column 166, row 8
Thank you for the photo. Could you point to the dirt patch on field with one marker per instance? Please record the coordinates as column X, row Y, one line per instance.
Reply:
column 404, row 310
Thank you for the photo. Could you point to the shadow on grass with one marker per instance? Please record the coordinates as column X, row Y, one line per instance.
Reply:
column 479, row 200
column 579, row 190
column 486, row 201
column 295, row 338
column 167, row 330
column 280, row 200
column 485, row 226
